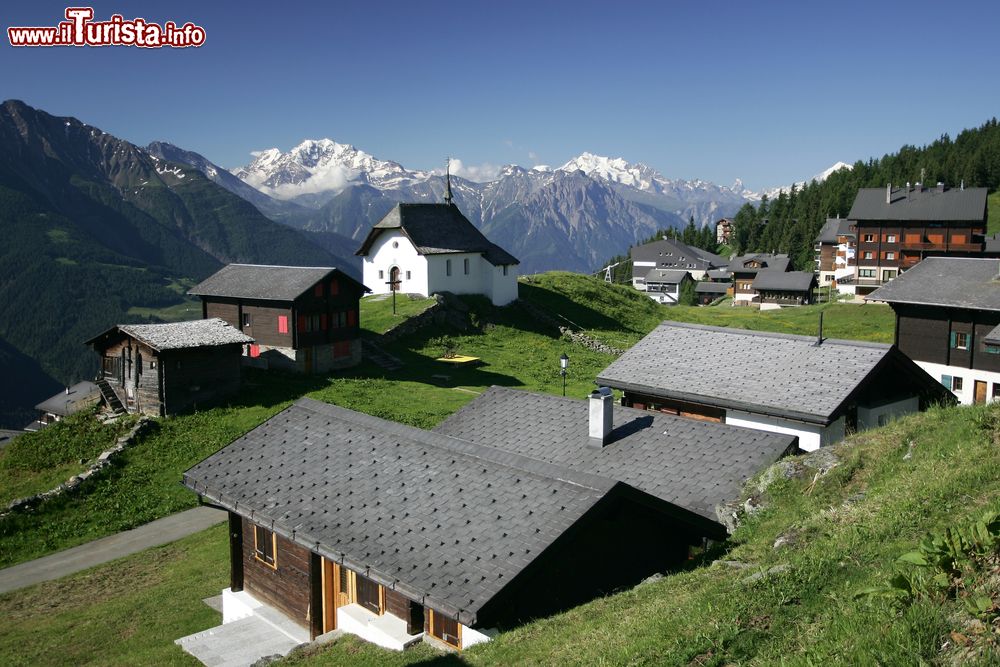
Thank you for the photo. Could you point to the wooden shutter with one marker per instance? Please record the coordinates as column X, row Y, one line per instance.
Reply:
column 282, row 323
column 254, row 350
column 302, row 323
column 322, row 322
column 334, row 287
column 352, row 318
column 318, row 290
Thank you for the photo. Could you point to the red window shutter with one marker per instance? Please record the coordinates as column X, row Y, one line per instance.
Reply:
column 282, row 323
column 255, row 350
column 318, row 291
column 302, row 323
column 334, row 287
column 322, row 322
column 352, row 318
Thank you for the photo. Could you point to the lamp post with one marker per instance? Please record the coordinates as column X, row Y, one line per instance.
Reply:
column 393, row 286
column 563, row 365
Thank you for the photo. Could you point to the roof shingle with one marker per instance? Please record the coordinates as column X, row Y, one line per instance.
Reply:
column 262, row 281
column 953, row 282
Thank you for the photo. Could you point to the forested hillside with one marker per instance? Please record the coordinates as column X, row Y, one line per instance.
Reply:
column 790, row 222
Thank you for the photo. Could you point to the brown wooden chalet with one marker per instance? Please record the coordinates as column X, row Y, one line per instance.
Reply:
column 744, row 270
column 340, row 520
column 785, row 288
column 948, row 321
column 304, row 319
column 161, row 369
column 898, row 227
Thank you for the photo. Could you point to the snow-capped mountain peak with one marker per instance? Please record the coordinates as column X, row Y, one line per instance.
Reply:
column 819, row 178
column 616, row 170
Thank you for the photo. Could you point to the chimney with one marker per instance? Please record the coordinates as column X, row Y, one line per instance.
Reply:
column 888, row 193
column 67, row 391
column 819, row 335
column 963, row 185
column 601, row 402
column 940, row 186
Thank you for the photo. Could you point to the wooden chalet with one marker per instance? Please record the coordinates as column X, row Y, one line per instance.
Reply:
column 340, row 520
column 71, row 400
column 948, row 321
column 898, row 227
column 784, row 288
column 744, row 270
column 816, row 388
column 303, row 319
column 162, row 369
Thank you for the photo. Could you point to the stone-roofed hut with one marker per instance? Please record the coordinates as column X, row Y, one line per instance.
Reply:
column 302, row 318
column 347, row 521
column 161, row 369
column 784, row 288
column 948, row 320
column 71, row 400
column 431, row 248
column 818, row 389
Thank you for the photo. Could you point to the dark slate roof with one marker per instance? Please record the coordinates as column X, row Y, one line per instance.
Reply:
column 181, row 335
column 262, row 281
column 992, row 245
column 669, row 276
column 834, row 228
column 769, row 373
column 993, row 337
column 436, row 229
column 6, row 435
column 784, row 281
column 920, row 204
column 954, row 282
column 67, row 402
column 667, row 253
column 711, row 288
column 720, row 274
column 443, row 521
column 696, row 465
column 775, row 262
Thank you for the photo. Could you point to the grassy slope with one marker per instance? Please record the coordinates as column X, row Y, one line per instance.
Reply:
column 993, row 209
column 376, row 311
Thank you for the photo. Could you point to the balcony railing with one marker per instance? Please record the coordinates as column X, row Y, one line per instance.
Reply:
column 943, row 247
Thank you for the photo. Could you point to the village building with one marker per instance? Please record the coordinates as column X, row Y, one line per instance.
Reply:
column 707, row 291
column 71, row 400
column 948, row 321
column 340, row 520
column 668, row 254
column 817, row 389
column 723, row 230
column 777, row 289
column 431, row 248
column 835, row 247
column 665, row 285
column 303, row 319
column 898, row 227
column 744, row 270
column 163, row 369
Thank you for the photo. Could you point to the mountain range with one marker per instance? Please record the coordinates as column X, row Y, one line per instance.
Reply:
column 95, row 228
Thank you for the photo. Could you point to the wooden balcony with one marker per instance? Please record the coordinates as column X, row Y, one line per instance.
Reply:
column 942, row 247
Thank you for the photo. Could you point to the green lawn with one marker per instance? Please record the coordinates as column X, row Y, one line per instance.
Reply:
column 376, row 310
column 189, row 309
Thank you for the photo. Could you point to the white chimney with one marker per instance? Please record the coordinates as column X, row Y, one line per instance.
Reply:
column 601, row 420
column 888, row 193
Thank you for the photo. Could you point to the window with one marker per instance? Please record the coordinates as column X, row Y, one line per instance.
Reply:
column 888, row 275
column 318, row 290
column 959, row 340
column 890, row 255
column 282, row 323
column 265, row 546
column 505, row 269
column 956, row 383
column 152, row 364
column 407, row 275
column 869, row 255
column 996, row 390
column 890, row 238
column 869, row 238
column 246, row 319
column 465, row 266
column 946, row 381
column 447, row 267
column 381, row 274
column 334, row 287
column 866, row 273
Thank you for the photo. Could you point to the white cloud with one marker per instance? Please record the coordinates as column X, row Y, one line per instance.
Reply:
column 334, row 177
column 479, row 173
column 256, row 153
column 532, row 155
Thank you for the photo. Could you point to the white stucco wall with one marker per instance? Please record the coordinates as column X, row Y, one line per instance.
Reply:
column 458, row 282
column 868, row 417
column 383, row 256
column 969, row 377
column 811, row 436
column 504, row 286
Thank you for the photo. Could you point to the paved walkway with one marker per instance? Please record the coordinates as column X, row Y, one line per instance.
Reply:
column 152, row 534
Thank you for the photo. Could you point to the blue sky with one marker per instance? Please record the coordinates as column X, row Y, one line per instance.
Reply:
column 767, row 92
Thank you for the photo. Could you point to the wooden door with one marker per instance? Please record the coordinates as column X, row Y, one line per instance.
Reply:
column 308, row 359
column 346, row 586
column 330, row 583
column 394, row 278
column 980, row 395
